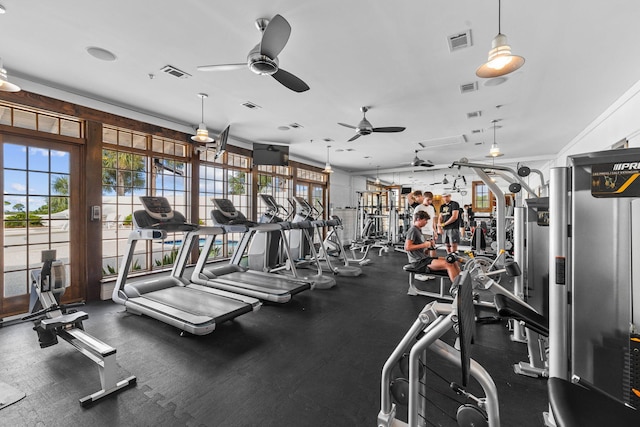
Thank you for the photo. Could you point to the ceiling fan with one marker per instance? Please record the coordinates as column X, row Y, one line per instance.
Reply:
column 263, row 58
column 419, row 162
column 365, row 127
column 444, row 181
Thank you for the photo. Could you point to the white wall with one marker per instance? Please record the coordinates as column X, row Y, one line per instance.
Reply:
column 618, row 121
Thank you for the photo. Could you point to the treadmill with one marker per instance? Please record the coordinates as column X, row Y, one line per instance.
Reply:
column 256, row 280
column 190, row 307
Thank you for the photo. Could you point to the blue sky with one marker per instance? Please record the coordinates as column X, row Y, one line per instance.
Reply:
column 41, row 163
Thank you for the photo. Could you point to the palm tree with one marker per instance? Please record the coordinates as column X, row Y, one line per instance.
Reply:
column 122, row 172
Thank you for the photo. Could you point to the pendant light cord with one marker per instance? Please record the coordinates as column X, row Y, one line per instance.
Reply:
column 499, row 8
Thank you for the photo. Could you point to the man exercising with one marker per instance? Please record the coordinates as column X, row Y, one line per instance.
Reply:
column 417, row 248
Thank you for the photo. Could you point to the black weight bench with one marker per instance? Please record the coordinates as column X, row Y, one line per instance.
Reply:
column 442, row 275
column 576, row 406
column 537, row 332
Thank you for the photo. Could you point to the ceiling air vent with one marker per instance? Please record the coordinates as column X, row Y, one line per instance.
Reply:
column 474, row 114
column 469, row 87
column 173, row 71
column 250, row 105
column 459, row 41
column 295, row 125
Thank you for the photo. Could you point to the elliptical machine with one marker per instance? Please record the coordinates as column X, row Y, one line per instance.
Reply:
column 53, row 320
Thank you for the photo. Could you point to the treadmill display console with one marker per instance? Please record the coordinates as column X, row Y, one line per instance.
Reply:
column 157, row 207
column 225, row 206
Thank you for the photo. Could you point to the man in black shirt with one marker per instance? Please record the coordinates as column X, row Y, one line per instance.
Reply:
column 448, row 222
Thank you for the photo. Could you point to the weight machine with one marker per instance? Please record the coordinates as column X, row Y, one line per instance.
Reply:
column 403, row 374
column 594, row 286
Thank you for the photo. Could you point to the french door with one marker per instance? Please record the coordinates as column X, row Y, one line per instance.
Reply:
column 41, row 185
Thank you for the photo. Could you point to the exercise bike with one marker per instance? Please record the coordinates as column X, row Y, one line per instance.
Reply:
column 53, row 319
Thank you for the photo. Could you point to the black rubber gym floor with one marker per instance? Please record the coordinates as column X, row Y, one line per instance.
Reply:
column 315, row 361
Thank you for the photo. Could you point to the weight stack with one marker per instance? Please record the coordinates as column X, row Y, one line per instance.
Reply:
column 634, row 371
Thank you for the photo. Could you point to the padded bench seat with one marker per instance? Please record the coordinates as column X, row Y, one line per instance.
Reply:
column 507, row 307
column 442, row 275
column 413, row 268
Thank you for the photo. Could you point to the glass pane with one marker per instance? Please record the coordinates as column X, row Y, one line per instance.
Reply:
column 15, row 257
column 70, row 128
column 15, row 182
column 24, row 119
column 125, row 139
column 139, row 141
column 60, row 184
column 38, row 159
column 38, row 183
column 39, row 205
column 5, row 115
column 110, row 136
column 48, row 124
column 60, row 161
column 15, row 156
column 16, row 283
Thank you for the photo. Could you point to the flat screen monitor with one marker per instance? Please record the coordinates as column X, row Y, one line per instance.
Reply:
column 222, row 141
column 270, row 154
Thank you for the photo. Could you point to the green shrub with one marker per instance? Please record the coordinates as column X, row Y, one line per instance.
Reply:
column 19, row 220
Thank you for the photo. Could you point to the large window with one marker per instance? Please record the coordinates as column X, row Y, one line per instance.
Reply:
column 36, row 217
column 227, row 181
column 134, row 165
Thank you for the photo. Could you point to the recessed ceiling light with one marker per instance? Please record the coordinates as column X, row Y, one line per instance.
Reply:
column 100, row 53
column 366, row 157
column 283, row 128
column 478, row 143
column 339, row 150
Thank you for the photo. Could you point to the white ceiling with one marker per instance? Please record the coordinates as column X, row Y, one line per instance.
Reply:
column 581, row 55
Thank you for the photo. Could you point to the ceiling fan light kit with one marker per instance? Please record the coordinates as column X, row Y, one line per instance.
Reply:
column 501, row 61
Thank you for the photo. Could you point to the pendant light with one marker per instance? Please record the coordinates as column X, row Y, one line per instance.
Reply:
column 500, row 61
column 202, row 134
column 5, row 85
column 327, row 167
column 494, row 151
column 377, row 175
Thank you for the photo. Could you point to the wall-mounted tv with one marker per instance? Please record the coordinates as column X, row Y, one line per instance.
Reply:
column 221, row 141
column 270, row 154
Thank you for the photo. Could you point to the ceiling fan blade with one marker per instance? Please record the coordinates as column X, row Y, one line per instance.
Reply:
column 354, row 137
column 388, row 129
column 222, row 67
column 289, row 80
column 348, row 126
column 275, row 37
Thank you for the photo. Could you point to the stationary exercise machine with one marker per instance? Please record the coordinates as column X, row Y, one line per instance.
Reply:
column 303, row 252
column 334, row 245
column 404, row 379
column 258, row 242
column 305, row 210
column 190, row 307
column 53, row 319
column 594, row 284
